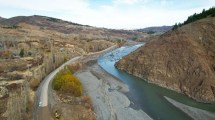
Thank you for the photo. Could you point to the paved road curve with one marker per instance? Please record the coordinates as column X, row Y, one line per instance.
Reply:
column 41, row 106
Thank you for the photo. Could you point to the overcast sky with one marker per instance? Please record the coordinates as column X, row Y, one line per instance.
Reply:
column 118, row 14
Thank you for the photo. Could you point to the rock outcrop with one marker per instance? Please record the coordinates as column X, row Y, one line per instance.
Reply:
column 182, row 60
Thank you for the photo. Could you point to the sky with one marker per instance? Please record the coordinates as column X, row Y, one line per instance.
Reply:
column 115, row 14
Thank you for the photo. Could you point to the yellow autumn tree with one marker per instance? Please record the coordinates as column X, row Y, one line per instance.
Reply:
column 66, row 82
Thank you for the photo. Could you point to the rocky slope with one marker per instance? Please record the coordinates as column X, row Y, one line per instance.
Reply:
column 182, row 60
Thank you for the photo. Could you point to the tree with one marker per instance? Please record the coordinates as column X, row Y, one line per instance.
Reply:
column 21, row 54
column 197, row 16
column 66, row 82
column 175, row 26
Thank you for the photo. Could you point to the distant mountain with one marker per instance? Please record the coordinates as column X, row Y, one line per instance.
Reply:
column 43, row 22
column 67, row 27
column 35, row 20
column 182, row 60
column 76, row 31
column 160, row 29
column 1, row 19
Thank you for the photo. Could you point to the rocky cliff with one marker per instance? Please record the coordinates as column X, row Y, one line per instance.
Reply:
column 182, row 60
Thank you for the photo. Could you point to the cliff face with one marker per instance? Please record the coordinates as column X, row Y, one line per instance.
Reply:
column 182, row 60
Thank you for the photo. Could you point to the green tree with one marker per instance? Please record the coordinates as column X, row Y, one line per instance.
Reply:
column 21, row 54
column 175, row 26
column 197, row 16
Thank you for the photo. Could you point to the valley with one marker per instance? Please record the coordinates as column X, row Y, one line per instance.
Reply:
column 53, row 69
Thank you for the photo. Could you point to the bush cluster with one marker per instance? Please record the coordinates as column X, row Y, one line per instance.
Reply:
column 66, row 82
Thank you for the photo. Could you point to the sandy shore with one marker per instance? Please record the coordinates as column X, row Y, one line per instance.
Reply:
column 107, row 94
column 195, row 113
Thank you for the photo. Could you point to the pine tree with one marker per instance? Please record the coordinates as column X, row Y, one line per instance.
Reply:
column 175, row 26
column 195, row 17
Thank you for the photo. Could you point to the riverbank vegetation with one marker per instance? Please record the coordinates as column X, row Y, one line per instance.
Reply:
column 66, row 82
column 69, row 92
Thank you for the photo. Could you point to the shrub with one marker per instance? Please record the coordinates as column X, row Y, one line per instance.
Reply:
column 134, row 38
column 5, row 54
column 10, row 27
column 53, row 19
column 48, row 50
column 21, row 54
column 29, row 53
column 151, row 32
column 66, row 82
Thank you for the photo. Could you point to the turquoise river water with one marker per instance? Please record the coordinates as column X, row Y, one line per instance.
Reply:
column 146, row 96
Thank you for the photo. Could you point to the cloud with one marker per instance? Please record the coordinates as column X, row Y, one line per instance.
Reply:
column 163, row 2
column 118, row 14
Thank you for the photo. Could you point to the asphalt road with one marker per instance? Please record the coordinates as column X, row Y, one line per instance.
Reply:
column 41, row 110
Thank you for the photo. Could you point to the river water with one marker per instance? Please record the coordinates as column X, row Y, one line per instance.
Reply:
column 146, row 96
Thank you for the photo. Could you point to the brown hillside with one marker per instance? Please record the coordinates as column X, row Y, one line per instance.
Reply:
column 54, row 24
column 182, row 60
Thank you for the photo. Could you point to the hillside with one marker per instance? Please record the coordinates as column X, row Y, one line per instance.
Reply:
column 66, row 27
column 1, row 19
column 158, row 29
column 182, row 60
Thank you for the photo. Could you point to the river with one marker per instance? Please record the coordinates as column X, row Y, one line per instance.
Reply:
column 146, row 96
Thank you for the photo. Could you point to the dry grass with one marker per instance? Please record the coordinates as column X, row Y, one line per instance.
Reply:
column 34, row 83
column 73, row 104
column 75, row 67
column 75, row 108
column 3, row 107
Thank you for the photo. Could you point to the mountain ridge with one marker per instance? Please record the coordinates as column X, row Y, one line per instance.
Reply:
column 59, row 25
column 155, row 29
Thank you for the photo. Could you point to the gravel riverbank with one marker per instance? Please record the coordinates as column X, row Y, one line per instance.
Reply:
column 195, row 113
column 107, row 94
